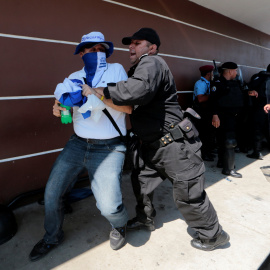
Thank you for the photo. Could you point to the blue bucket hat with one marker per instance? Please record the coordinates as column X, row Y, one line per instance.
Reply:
column 93, row 39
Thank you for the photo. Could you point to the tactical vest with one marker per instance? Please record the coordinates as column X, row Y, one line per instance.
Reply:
column 232, row 96
column 259, row 83
column 262, row 87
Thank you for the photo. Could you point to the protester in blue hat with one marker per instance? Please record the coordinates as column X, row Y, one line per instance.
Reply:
column 95, row 146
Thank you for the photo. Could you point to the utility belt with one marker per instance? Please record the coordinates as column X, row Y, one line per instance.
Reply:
column 183, row 130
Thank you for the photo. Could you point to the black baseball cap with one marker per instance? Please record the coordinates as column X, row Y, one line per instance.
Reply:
column 229, row 65
column 148, row 34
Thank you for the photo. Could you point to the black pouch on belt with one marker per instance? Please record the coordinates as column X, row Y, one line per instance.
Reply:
column 192, row 115
column 186, row 127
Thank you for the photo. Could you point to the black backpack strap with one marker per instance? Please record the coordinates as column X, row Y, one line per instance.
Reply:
column 113, row 122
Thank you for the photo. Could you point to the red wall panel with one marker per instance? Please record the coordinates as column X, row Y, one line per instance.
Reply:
column 31, row 67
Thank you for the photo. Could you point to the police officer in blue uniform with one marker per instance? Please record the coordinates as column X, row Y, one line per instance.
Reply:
column 226, row 103
column 201, row 96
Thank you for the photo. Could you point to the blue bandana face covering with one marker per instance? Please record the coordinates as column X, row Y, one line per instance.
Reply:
column 94, row 65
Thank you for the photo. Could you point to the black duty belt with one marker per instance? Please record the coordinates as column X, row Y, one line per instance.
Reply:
column 182, row 130
column 175, row 134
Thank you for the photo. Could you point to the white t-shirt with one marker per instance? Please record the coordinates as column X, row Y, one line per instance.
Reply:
column 103, row 129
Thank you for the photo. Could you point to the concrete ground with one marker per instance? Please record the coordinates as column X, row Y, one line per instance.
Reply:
column 242, row 206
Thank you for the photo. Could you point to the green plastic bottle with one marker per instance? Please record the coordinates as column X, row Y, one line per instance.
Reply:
column 66, row 117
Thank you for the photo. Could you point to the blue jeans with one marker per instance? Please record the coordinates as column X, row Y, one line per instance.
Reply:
column 104, row 161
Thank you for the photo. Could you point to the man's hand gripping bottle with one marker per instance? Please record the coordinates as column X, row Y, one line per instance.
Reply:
column 66, row 116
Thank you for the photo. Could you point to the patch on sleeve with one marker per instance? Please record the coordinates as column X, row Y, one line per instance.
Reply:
column 213, row 89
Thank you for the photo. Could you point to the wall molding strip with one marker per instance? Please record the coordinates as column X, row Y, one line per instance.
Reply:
column 30, row 155
column 184, row 23
column 116, row 48
column 38, row 39
column 27, row 97
column 52, row 96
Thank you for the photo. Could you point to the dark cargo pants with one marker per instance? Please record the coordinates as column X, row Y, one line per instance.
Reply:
column 181, row 163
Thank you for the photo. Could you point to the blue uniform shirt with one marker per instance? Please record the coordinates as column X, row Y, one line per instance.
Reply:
column 201, row 87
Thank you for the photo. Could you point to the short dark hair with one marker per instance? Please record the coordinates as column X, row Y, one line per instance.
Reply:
column 203, row 73
column 229, row 65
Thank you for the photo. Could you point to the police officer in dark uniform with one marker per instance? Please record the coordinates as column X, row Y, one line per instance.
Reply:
column 170, row 145
column 258, row 90
column 201, row 105
column 227, row 102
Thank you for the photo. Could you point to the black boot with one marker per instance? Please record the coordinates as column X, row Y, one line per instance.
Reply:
column 228, row 163
column 137, row 224
column 255, row 155
column 222, row 239
column 257, row 148
column 232, row 173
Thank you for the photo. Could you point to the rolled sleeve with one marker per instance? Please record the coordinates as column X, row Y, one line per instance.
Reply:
column 200, row 88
